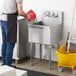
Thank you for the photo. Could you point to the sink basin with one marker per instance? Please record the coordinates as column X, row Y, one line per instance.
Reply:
column 39, row 34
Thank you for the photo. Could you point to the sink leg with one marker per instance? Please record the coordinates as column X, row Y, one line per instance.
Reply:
column 31, row 61
column 49, row 58
column 16, row 61
column 40, row 52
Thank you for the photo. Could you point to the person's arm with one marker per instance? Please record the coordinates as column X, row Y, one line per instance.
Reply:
column 20, row 10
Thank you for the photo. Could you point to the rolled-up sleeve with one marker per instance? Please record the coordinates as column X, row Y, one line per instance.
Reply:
column 19, row 1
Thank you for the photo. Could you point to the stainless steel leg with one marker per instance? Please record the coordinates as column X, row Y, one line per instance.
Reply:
column 16, row 61
column 31, row 61
column 40, row 52
column 49, row 58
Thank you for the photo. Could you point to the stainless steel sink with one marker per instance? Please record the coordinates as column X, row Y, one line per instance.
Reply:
column 47, row 34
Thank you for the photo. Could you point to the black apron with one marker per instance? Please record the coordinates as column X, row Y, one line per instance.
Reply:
column 12, row 28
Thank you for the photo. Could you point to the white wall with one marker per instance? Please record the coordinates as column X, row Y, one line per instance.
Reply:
column 63, row 5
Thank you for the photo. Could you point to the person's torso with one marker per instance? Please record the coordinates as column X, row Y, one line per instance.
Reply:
column 7, row 7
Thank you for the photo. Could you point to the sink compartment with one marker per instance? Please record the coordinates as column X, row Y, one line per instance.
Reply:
column 39, row 34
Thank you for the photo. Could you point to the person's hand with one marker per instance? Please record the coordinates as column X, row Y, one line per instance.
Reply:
column 27, row 16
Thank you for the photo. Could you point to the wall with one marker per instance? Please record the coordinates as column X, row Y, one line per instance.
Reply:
column 63, row 5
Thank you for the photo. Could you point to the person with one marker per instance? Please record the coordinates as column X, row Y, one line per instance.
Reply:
column 8, row 18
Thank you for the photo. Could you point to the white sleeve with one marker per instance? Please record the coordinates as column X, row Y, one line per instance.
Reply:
column 19, row 1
